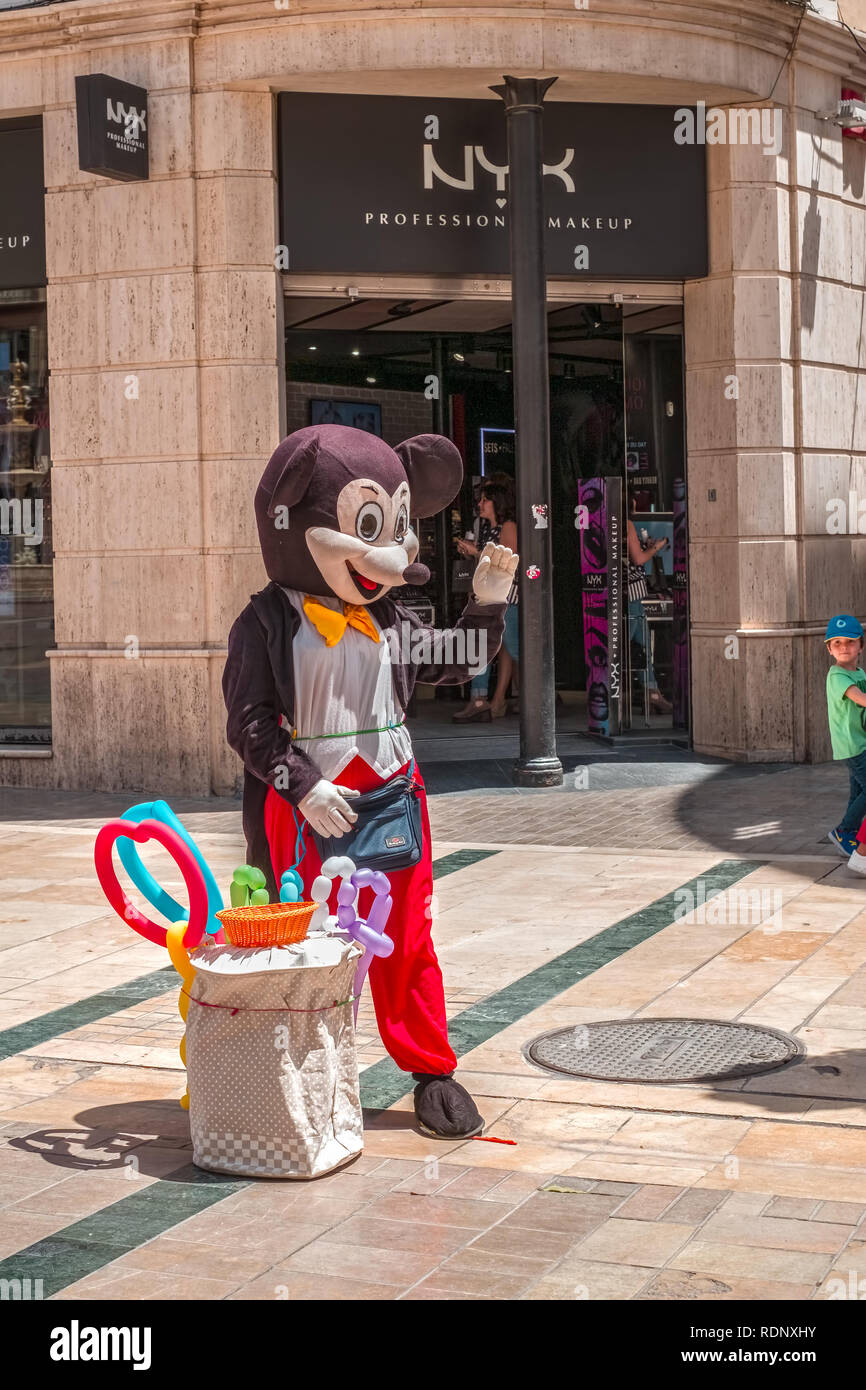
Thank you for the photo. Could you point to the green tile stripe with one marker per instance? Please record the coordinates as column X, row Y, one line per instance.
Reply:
column 109, row 1001
column 460, row 859
column 383, row 1083
column 44, row 1027
column 85, row 1246
column 97, row 1240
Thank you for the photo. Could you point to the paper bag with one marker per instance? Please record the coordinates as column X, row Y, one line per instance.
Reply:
column 270, row 1055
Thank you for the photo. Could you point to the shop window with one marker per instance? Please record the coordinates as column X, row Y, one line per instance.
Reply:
column 26, row 571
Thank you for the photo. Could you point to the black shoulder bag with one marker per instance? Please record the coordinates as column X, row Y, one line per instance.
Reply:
column 387, row 834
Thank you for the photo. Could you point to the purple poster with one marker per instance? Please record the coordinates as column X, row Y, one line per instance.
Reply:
column 681, row 608
column 599, row 521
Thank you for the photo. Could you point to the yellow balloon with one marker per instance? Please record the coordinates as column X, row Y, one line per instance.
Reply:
column 180, row 960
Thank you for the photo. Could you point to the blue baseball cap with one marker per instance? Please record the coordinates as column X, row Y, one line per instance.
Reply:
column 843, row 625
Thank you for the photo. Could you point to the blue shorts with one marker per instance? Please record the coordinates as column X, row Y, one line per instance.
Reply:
column 511, row 637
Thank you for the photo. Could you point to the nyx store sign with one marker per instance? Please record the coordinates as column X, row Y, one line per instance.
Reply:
column 112, row 127
column 22, row 207
column 420, row 185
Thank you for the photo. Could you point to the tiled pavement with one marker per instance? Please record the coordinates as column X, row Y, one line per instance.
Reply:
column 553, row 908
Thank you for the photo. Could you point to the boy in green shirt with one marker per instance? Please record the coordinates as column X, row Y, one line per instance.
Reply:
column 846, row 709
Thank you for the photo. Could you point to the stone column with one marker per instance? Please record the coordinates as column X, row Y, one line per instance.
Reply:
column 241, row 376
column 164, row 405
column 772, row 337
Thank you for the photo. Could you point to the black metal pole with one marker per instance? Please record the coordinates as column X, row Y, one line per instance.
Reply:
column 443, row 519
column 538, row 765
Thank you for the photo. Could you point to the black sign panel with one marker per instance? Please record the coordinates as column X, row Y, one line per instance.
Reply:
column 22, row 205
column 419, row 185
column 112, row 127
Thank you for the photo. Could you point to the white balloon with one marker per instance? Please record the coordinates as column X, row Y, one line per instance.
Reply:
column 319, row 919
column 321, row 889
column 339, row 865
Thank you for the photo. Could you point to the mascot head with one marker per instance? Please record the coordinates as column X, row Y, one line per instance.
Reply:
column 334, row 504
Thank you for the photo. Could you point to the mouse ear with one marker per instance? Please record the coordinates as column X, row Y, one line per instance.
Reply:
column 289, row 470
column 435, row 471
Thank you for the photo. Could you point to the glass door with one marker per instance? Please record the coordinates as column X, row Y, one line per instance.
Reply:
column 656, row 687
column 26, row 570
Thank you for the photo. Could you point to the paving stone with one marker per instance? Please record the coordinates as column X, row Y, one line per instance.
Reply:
column 570, row 1184
column 800, row 1208
column 526, row 1244
column 648, row 1203
column 695, row 1205
column 674, row 1284
column 562, row 1211
column 848, row 1213
column 637, row 1243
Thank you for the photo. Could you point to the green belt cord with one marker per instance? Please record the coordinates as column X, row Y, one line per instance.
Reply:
column 350, row 733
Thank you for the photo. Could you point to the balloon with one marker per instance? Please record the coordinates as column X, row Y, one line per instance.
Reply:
column 144, row 881
column 248, row 887
column 375, row 942
column 339, row 864
column 291, row 886
column 186, row 970
column 321, row 889
column 369, row 933
column 199, row 905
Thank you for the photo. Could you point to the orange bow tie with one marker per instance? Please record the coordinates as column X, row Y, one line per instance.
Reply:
column 331, row 624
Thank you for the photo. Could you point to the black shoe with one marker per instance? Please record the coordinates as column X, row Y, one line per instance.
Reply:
column 444, row 1109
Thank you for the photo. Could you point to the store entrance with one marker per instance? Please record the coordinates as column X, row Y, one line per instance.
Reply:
column 406, row 366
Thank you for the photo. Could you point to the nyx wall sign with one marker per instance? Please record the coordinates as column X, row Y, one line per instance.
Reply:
column 420, row 185
column 112, row 127
column 22, row 208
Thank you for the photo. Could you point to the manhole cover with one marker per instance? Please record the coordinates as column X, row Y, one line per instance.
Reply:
column 663, row 1050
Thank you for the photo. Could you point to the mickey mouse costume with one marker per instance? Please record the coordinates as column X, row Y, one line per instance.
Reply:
column 315, row 695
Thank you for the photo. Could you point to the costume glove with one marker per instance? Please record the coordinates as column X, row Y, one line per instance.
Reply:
column 494, row 575
column 326, row 808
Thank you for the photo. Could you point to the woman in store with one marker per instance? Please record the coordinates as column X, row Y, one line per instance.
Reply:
column 496, row 512
column 638, row 557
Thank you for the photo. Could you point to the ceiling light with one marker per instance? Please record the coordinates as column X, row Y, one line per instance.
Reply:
column 356, row 352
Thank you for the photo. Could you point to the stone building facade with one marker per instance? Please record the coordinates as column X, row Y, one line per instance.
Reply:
column 172, row 281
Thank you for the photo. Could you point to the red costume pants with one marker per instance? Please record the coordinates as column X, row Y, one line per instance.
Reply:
column 407, row 985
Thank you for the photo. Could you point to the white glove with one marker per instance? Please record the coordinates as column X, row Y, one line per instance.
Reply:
column 494, row 575
column 326, row 808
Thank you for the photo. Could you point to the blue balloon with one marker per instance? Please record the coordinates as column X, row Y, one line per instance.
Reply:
column 291, row 886
column 144, row 879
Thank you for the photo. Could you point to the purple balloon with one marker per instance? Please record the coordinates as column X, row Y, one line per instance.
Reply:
column 346, row 916
column 345, row 893
column 372, row 878
column 379, row 914
column 372, row 941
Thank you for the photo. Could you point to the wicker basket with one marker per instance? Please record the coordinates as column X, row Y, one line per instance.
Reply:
column 270, row 924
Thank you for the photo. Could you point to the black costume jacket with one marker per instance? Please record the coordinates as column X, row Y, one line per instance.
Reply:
column 258, row 686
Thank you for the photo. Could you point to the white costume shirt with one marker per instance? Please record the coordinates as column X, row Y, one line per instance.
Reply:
column 343, row 689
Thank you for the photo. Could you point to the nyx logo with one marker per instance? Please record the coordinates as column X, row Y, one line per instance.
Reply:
column 476, row 153
column 134, row 121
